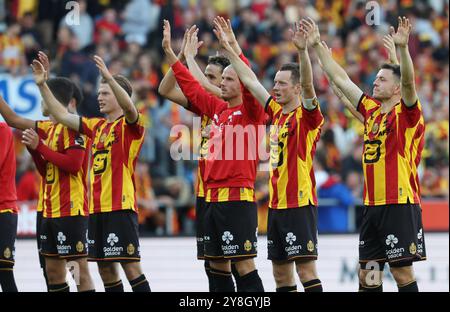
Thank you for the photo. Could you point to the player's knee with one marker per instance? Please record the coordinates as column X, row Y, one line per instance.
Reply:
column 306, row 271
column 283, row 278
column 55, row 274
column 132, row 270
column 403, row 275
column 108, row 272
column 245, row 266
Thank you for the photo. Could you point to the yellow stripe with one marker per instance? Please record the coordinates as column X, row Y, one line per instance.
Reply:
column 224, row 194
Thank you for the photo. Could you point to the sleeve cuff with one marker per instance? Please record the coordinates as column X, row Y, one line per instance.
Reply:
column 409, row 107
column 360, row 102
column 267, row 103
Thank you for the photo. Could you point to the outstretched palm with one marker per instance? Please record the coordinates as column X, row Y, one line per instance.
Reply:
column 166, row 42
column 311, row 30
column 39, row 73
column 299, row 38
column 102, row 67
column 401, row 37
column 222, row 37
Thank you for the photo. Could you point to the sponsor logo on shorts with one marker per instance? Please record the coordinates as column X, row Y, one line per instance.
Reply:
column 292, row 249
column 420, row 234
column 393, row 253
column 247, row 245
column 62, row 249
column 130, row 249
column 7, row 253
column 80, row 246
column 112, row 239
column 228, row 249
column 391, row 240
column 290, row 238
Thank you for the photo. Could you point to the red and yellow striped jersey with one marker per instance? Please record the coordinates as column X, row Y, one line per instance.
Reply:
column 201, row 186
column 115, row 149
column 64, row 194
column 393, row 144
column 225, row 194
column 293, row 138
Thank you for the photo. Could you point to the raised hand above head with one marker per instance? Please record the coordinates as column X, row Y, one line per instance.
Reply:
column 401, row 37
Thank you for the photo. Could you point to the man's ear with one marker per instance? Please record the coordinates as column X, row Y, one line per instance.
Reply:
column 72, row 107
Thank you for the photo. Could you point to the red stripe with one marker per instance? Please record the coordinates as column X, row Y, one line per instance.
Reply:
column 64, row 194
column 117, row 166
column 292, row 190
column 311, row 172
column 97, row 192
column 370, row 183
column 234, row 193
column 214, row 195
column 48, row 202
column 391, row 163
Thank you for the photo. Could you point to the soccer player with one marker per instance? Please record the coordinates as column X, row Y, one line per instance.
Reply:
column 294, row 132
column 8, row 209
column 210, row 80
column 116, row 142
column 59, row 154
column 231, row 216
column 391, row 229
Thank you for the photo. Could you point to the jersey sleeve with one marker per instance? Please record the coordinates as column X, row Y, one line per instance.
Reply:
column 412, row 114
column 73, row 139
column 313, row 118
column 272, row 107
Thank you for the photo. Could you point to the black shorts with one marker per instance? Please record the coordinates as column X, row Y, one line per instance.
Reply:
column 231, row 230
column 200, row 209
column 391, row 233
column 8, row 233
column 39, row 217
column 114, row 236
column 292, row 234
column 65, row 237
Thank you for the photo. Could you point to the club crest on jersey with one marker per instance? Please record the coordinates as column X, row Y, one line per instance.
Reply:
column 375, row 128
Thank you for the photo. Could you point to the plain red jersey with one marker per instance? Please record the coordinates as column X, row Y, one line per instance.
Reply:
column 231, row 161
column 8, row 195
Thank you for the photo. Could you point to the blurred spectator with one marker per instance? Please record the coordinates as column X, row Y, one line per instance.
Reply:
column 12, row 51
column 335, row 199
column 29, row 184
column 107, row 23
column 140, row 18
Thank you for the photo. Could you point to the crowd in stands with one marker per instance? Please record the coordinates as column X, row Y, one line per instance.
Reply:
column 127, row 35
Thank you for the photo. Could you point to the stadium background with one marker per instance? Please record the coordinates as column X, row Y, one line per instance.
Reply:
column 127, row 34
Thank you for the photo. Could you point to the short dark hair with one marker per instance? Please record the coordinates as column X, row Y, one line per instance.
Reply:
column 394, row 67
column 219, row 60
column 294, row 68
column 62, row 89
column 123, row 82
column 77, row 94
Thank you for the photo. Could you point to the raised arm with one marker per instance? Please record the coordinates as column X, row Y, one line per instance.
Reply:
column 190, row 51
column 389, row 44
column 246, row 75
column 341, row 95
column 123, row 99
column 335, row 72
column 12, row 119
column 168, row 86
column 401, row 37
column 299, row 39
column 56, row 109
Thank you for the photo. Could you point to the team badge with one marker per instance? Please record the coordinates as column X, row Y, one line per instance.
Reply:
column 7, row 253
column 310, row 246
column 102, row 138
column 80, row 247
column 412, row 249
column 375, row 128
column 247, row 245
column 130, row 249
